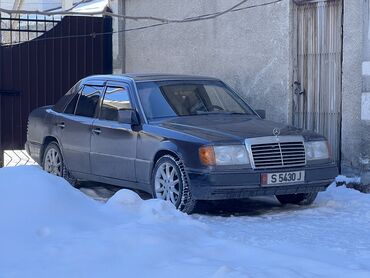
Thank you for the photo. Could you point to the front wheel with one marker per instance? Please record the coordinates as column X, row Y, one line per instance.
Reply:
column 53, row 163
column 303, row 199
column 170, row 183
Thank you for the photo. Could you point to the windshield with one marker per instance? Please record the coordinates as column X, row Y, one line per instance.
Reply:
column 171, row 99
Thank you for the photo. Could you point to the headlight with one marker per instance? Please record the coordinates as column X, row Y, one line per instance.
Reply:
column 223, row 155
column 317, row 150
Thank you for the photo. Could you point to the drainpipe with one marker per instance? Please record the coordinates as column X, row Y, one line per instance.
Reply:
column 1, row 145
column 1, row 149
column 122, row 35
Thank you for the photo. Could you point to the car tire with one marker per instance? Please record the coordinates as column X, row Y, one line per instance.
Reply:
column 170, row 182
column 53, row 163
column 304, row 199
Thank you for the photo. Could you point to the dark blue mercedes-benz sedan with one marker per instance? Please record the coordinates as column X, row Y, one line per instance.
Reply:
column 180, row 138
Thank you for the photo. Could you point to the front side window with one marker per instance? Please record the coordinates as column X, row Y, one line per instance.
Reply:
column 161, row 100
column 115, row 99
column 88, row 101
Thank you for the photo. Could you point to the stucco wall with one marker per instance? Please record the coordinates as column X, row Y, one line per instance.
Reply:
column 365, row 99
column 6, row 4
column 249, row 49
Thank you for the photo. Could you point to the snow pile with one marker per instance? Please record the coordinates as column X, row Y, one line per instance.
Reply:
column 49, row 229
column 347, row 180
column 94, row 6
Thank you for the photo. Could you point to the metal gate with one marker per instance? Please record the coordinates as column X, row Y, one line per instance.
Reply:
column 39, row 71
column 317, row 69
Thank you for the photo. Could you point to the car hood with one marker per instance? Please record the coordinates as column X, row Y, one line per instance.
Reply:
column 220, row 127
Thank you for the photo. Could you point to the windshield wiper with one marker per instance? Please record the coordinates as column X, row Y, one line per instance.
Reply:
column 220, row 112
column 237, row 113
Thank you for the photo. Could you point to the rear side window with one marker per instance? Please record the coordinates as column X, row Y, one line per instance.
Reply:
column 64, row 100
column 70, row 109
column 115, row 99
column 88, row 101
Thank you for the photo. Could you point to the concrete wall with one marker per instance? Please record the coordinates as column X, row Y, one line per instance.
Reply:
column 249, row 49
column 119, row 46
column 351, row 85
column 356, row 88
column 365, row 98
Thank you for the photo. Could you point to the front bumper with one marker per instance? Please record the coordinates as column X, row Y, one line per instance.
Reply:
column 247, row 183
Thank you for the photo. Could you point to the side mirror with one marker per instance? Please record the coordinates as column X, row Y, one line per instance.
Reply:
column 261, row 113
column 128, row 116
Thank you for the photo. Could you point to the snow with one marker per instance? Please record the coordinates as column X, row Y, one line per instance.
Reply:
column 93, row 6
column 49, row 229
column 347, row 180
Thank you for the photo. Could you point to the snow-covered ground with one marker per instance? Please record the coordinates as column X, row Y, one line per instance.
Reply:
column 49, row 229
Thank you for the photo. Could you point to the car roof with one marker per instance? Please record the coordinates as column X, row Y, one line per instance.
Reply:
column 145, row 77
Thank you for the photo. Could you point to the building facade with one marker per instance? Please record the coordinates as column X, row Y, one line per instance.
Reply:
column 307, row 63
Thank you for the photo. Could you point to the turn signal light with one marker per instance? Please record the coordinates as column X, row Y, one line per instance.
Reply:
column 207, row 156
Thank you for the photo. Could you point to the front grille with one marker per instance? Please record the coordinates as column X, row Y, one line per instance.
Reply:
column 278, row 154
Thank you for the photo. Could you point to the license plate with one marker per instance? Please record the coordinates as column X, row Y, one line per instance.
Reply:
column 282, row 178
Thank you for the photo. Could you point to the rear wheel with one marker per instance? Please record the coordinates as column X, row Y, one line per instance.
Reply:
column 170, row 183
column 53, row 163
column 303, row 199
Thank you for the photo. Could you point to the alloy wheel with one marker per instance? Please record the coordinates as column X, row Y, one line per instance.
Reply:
column 53, row 162
column 167, row 183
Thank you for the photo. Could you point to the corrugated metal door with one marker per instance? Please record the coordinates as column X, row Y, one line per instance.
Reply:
column 317, row 69
column 38, row 72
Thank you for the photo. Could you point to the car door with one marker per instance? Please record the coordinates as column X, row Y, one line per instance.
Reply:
column 75, row 128
column 113, row 144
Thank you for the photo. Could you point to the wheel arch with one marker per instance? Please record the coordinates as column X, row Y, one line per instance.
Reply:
column 164, row 152
column 160, row 153
column 187, row 204
column 47, row 140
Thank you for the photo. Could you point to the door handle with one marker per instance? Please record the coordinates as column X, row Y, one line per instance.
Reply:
column 96, row 130
column 61, row 125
